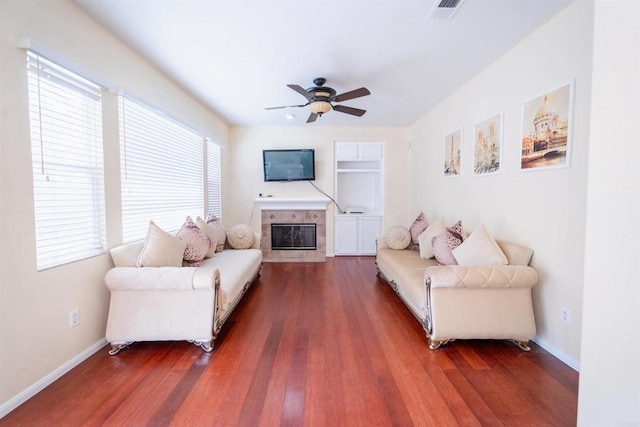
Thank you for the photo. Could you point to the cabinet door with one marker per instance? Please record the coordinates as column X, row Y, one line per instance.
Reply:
column 370, row 151
column 346, row 151
column 346, row 237
column 368, row 230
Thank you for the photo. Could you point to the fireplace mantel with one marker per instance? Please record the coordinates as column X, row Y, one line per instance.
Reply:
column 292, row 203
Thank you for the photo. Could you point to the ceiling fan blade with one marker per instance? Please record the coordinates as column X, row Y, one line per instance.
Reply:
column 286, row 106
column 301, row 91
column 349, row 110
column 312, row 117
column 357, row 93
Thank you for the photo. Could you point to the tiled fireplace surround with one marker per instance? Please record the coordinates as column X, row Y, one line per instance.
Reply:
column 278, row 210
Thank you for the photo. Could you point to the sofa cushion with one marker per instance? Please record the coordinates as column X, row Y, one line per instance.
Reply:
column 161, row 249
column 398, row 237
column 240, row 236
column 417, row 227
column 198, row 243
column 445, row 243
column 406, row 269
column 516, row 254
column 479, row 249
column 237, row 268
column 426, row 237
column 126, row 255
column 218, row 228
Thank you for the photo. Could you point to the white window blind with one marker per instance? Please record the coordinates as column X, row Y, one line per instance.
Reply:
column 68, row 169
column 214, row 181
column 162, row 165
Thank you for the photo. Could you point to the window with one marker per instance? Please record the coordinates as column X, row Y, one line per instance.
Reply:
column 214, row 182
column 68, row 168
column 162, row 171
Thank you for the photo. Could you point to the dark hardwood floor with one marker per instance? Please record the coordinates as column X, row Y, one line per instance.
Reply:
column 313, row 344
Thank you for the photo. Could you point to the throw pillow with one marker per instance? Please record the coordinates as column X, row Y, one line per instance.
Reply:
column 445, row 243
column 419, row 225
column 398, row 237
column 161, row 249
column 426, row 237
column 221, row 233
column 211, row 233
column 198, row 243
column 240, row 236
column 479, row 249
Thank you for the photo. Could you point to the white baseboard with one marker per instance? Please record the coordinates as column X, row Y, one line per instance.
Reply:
column 566, row 359
column 39, row 385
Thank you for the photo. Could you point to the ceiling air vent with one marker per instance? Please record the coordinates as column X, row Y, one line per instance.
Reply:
column 445, row 9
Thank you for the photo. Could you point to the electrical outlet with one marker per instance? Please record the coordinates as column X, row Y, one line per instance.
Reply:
column 74, row 318
column 565, row 315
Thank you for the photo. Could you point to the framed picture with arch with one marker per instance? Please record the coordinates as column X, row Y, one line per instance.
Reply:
column 547, row 122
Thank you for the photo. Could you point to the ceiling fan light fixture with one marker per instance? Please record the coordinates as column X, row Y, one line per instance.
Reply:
column 320, row 107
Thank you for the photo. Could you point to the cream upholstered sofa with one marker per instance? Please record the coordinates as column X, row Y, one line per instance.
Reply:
column 464, row 301
column 176, row 303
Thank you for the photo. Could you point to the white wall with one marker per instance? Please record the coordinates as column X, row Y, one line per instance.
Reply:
column 246, row 145
column 36, row 341
column 544, row 209
column 610, row 375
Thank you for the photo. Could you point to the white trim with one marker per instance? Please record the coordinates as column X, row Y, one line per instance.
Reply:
column 48, row 379
column 565, row 358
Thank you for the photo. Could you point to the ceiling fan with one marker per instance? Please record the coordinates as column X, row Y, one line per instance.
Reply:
column 320, row 99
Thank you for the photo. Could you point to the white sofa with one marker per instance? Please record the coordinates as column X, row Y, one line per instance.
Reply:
column 176, row 303
column 464, row 302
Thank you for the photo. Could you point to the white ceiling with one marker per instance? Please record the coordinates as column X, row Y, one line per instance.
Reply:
column 236, row 57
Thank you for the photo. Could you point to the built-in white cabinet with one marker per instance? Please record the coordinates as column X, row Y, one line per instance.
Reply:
column 358, row 151
column 356, row 234
column 359, row 196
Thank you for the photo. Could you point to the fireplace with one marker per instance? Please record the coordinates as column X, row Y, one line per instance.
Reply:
column 293, row 237
column 307, row 216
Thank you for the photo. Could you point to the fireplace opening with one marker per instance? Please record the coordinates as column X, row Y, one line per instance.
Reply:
column 293, row 236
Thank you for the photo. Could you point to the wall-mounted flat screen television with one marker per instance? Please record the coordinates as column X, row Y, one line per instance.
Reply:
column 289, row 165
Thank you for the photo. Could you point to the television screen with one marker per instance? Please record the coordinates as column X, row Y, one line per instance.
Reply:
column 289, row 165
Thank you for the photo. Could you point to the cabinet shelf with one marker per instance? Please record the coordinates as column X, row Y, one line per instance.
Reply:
column 357, row 170
column 357, row 164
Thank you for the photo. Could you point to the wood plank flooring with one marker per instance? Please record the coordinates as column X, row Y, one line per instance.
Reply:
column 313, row 344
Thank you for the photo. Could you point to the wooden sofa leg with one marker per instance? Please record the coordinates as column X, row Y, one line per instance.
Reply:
column 523, row 345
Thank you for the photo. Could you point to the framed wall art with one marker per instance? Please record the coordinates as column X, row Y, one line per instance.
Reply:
column 546, row 129
column 488, row 145
column 452, row 149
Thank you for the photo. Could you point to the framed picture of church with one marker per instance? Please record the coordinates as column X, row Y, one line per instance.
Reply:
column 452, row 147
column 487, row 154
column 546, row 129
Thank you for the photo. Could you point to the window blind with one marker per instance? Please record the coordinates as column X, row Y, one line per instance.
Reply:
column 68, row 169
column 214, row 181
column 161, row 171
